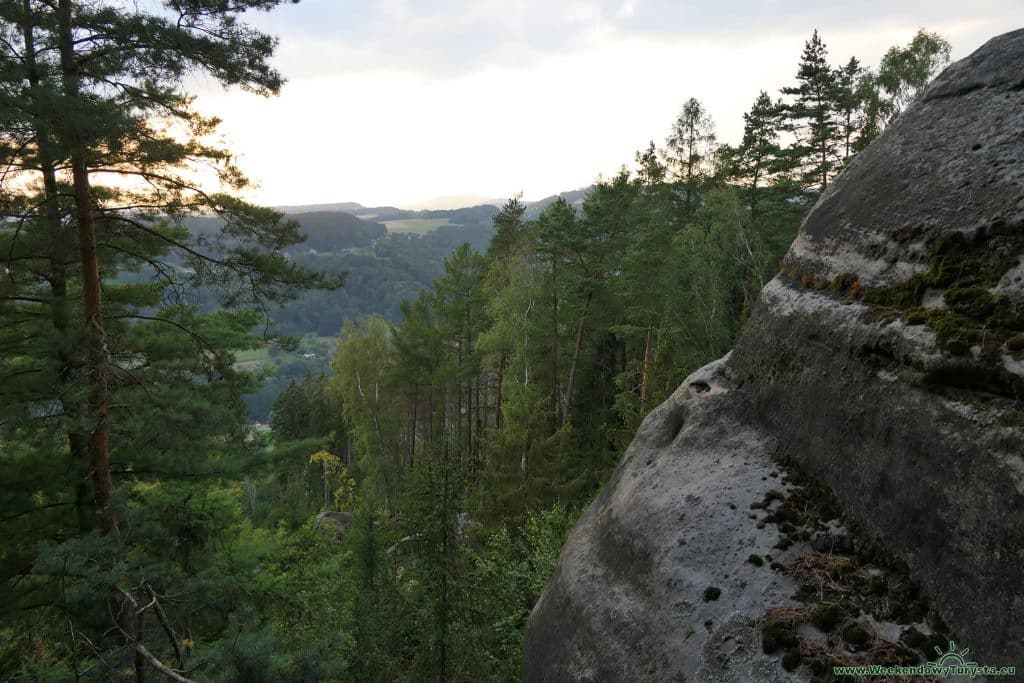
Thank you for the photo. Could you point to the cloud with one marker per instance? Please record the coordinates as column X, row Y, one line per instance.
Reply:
column 390, row 103
column 451, row 37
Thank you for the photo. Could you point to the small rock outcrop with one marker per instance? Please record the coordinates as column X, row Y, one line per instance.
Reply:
column 339, row 522
column 884, row 367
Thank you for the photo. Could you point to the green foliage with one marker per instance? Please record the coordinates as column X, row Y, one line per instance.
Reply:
column 461, row 427
column 813, row 115
column 906, row 70
column 506, row 580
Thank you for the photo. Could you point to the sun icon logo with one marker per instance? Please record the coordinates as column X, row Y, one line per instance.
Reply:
column 952, row 657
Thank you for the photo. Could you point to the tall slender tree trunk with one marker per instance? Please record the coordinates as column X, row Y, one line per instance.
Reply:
column 415, row 414
column 755, row 180
column 457, row 413
column 446, row 530
column 497, row 401
column 824, row 162
column 647, row 362
column 481, row 419
column 59, row 250
column 570, row 384
column 327, row 488
column 849, row 135
column 430, row 417
column 469, row 385
column 99, row 454
column 554, row 342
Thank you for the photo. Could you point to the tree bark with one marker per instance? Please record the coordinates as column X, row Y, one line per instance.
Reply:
column 58, row 254
column 99, row 454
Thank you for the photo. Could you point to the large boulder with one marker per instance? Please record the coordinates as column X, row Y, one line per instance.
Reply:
column 887, row 362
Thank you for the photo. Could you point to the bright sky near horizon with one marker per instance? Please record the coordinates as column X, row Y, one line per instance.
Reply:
column 401, row 102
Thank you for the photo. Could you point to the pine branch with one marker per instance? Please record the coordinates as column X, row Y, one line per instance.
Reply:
column 161, row 668
column 168, row 629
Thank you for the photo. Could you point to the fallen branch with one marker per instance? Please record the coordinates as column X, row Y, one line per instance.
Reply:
column 161, row 668
column 162, row 618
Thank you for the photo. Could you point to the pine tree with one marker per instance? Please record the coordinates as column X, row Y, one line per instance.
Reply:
column 290, row 417
column 458, row 304
column 508, row 224
column 759, row 158
column 134, row 378
column 849, row 104
column 430, row 512
column 812, row 113
column 552, row 230
column 504, row 246
column 689, row 152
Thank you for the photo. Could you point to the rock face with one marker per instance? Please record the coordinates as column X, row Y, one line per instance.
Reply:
column 886, row 361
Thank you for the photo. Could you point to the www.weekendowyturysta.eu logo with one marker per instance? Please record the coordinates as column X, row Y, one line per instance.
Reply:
column 949, row 663
column 952, row 657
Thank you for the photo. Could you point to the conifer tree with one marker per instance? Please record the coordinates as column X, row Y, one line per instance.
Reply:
column 812, row 114
column 689, row 152
column 459, row 311
column 504, row 246
column 150, row 399
column 759, row 158
column 552, row 230
column 290, row 418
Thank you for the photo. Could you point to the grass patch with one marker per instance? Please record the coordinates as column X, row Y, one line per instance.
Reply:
column 260, row 354
column 417, row 226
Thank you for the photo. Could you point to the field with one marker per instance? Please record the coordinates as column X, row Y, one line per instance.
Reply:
column 313, row 350
column 252, row 360
column 248, row 355
column 419, row 226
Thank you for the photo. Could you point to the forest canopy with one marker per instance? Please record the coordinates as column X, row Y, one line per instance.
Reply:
column 404, row 509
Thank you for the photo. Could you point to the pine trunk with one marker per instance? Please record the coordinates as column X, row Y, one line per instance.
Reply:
column 58, row 255
column 99, row 454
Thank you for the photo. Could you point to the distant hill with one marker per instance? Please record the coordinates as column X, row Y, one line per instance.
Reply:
column 324, row 230
column 383, row 269
column 574, row 197
column 347, row 207
column 335, row 230
column 384, row 266
column 458, row 216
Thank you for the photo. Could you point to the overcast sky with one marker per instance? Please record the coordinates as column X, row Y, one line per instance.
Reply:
column 400, row 102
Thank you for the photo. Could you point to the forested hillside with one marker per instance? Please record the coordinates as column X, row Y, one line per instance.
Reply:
column 150, row 531
column 473, row 432
column 380, row 268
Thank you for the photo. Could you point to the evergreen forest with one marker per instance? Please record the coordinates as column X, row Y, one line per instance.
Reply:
column 403, row 510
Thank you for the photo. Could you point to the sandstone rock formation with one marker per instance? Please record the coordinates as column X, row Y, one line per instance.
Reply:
column 886, row 361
